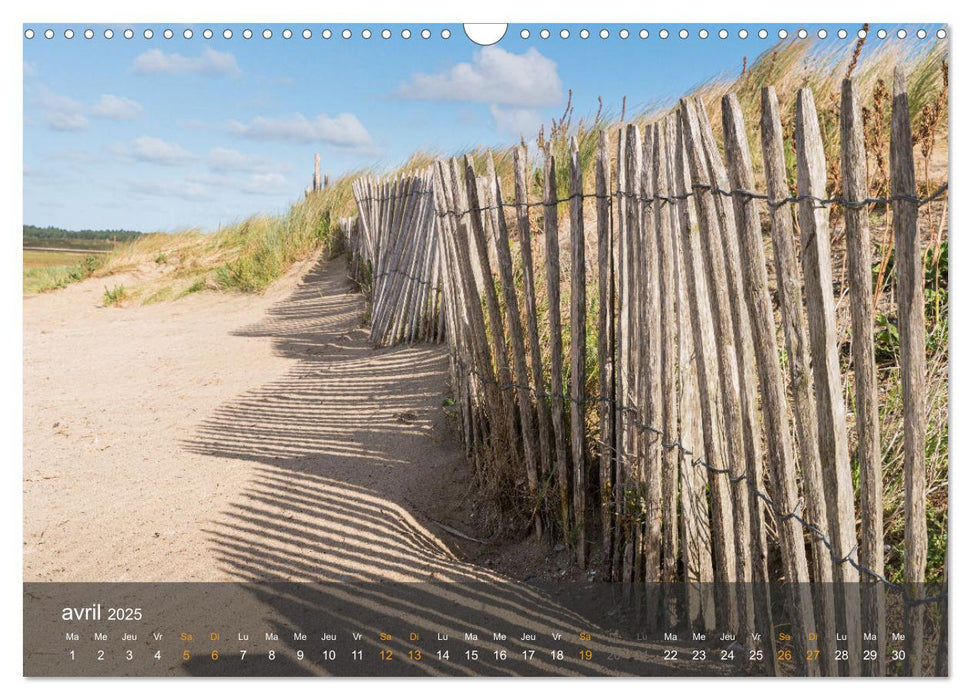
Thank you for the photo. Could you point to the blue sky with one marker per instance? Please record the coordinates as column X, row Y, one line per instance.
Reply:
column 164, row 134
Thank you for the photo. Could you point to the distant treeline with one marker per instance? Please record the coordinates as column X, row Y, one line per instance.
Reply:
column 52, row 232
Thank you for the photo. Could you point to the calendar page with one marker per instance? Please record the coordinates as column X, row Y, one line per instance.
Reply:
column 448, row 350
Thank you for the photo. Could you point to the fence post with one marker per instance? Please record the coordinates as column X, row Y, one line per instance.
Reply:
column 551, row 231
column 703, row 331
column 714, row 268
column 544, row 421
column 860, row 275
column 504, row 259
column 650, row 402
column 621, row 373
column 480, row 345
column 496, row 325
column 910, row 304
column 789, row 284
column 605, row 347
column 316, row 172
column 667, row 347
column 696, row 527
column 757, row 598
column 578, row 352
column 775, row 408
column 837, row 475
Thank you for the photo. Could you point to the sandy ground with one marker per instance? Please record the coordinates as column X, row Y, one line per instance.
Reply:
column 230, row 437
column 251, row 439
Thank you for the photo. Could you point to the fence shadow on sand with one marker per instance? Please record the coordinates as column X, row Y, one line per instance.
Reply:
column 345, row 442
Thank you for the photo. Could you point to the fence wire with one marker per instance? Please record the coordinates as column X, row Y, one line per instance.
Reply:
column 675, row 443
column 697, row 188
column 668, row 442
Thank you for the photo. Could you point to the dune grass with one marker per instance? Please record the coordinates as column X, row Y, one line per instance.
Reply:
column 246, row 256
column 44, row 273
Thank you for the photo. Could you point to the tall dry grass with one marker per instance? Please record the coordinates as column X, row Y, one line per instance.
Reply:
column 246, row 256
column 790, row 66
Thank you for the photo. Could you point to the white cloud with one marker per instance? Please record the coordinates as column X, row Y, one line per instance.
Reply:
column 517, row 121
column 149, row 149
column 266, row 183
column 209, row 62
column 78, row 156
column 63, row 113
column 270, row 183
column 180, row 189
column 115, row 107
column 228, row 160
column 66, row 121
column 342, row 130
column 495, row 76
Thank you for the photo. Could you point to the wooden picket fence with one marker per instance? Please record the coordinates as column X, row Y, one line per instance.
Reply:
column 396, row 256
column 716, row 441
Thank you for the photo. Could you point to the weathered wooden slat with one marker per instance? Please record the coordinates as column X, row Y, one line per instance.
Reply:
column 457, row 326
column 513, row 320
column 649, row 397
column 496, row 324
column 633, row 357
column 695, row 525
column 484, row 394
column 727, row 365
column 909, row 264
column 578, row 353
column 454, row 311
column 705, row 345
column 789, row 284
column 551, row 231
column 399, row 208
column 757, row 597
column 605, row 347
column 482, row 361
column 544, row 421
column 817, row 267
column 620, row 360
column 859, row 269
column 667, row 349
column 645, row 372
column 775, row 409
column 668, row 294
column 831, row 413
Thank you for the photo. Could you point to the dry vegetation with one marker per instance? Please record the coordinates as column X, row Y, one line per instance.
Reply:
column 788, row 67
column 245, row 256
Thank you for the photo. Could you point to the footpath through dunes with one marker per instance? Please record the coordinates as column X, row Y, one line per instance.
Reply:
column 217, row 437
column 262, row 441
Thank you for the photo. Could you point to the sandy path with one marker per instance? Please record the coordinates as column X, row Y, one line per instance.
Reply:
column 224, row 437
column 255, row 439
